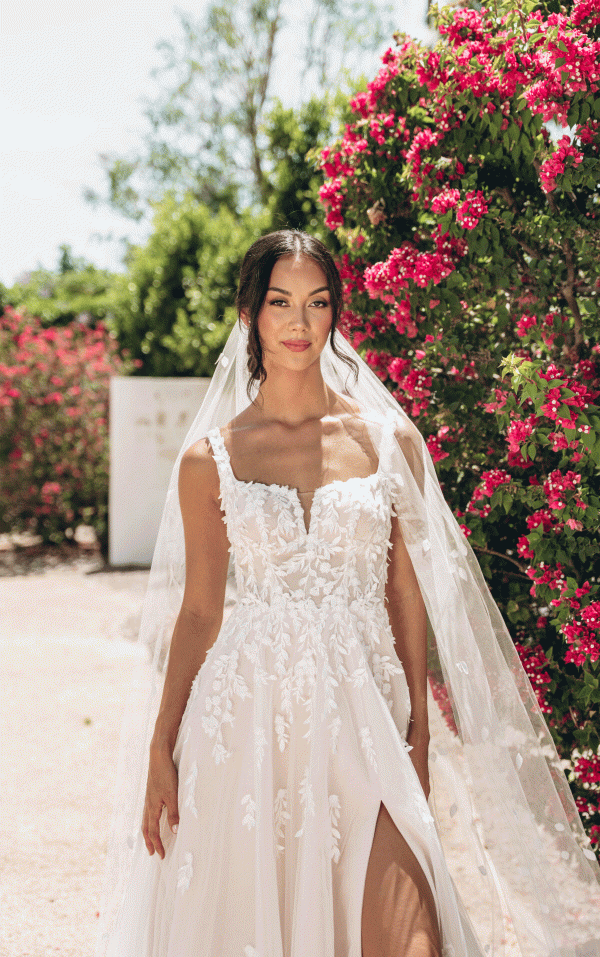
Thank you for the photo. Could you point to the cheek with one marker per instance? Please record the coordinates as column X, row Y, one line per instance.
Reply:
column 325, row 325
column 264, row 326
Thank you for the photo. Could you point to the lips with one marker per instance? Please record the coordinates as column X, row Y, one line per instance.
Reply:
column 296, row 345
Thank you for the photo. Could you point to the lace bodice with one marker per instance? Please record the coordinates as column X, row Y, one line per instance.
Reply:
column 340, row 557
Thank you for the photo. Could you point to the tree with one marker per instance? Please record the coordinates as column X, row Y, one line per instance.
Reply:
column 471, row 254
column 174, row 308
column 294, row 139
column 206, row 135
column 77, row 291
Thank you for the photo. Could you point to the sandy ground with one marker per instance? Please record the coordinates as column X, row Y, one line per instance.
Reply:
column 67, row 656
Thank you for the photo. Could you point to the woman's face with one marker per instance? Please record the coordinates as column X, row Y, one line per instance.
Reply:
column 295, row 319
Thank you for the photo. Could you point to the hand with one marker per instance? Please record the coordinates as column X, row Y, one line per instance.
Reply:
column 161, row 790
column 419, row 757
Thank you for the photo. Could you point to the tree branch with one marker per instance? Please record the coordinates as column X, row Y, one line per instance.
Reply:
column 490, row 551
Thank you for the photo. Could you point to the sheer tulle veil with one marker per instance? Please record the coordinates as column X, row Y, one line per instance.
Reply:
column 515, row 846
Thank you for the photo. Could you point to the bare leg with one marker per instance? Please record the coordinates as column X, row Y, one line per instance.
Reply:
column 399, row 917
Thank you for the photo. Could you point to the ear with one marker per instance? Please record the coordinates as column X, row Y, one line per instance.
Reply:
column 245, row 317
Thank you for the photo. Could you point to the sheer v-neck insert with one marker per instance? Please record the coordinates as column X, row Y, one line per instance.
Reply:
column 307, row 515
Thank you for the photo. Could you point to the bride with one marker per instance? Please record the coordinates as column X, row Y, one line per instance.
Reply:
column 285, row 773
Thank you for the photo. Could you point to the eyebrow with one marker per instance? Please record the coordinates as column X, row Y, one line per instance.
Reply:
column 286, row 293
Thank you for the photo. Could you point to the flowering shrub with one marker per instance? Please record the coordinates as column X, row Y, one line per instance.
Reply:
column 54, row 426
column 471, row 266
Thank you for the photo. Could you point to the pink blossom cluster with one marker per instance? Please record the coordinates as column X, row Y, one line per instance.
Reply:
column 472, row 209
column 500, row 398
column 445, row 200
column 586, row 13
column 588, row 769
column 490, row 481
column 541, row 517
column 555, row 164
column 550, row 60
column 332, row 197
column 582, row 644
column 566, row 62
column 423, row 141
column 434, row 444
column 525, row 323
column 553, row 578
column 357, row 329
column 557, row 484
column 416, row 387
column 586, row 808
column 535, row 663
column 591, row 615
column 386, row 280
column 380, row 124
column 519, row 431
column 524, row 548
column 571, row 394
column 380, row 363
column 589, row 134
column 401, row 318
column 351, row 274
column 332, row 163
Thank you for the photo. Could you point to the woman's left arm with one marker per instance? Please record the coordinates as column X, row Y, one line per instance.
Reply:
column 408, row 620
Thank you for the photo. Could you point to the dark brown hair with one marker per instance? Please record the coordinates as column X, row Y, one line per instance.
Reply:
column 255, row 274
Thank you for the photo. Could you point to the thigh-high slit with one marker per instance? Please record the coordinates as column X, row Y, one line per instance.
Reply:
column 399, row 917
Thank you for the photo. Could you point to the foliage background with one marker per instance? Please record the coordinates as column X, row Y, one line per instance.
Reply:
column 470, row 250
column 54, row 426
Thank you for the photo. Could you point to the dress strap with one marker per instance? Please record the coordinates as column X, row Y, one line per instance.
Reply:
column 387, row 441
column 221, row 457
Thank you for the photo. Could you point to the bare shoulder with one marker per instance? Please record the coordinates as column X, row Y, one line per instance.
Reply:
column 357, row 417
column 198, row 474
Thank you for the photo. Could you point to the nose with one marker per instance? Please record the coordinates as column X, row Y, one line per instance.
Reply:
column 298, row 318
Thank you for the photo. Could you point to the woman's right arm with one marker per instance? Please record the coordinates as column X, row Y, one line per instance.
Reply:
column 196, row 628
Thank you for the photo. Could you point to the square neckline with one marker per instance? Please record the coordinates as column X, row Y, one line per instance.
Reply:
column 291, row 490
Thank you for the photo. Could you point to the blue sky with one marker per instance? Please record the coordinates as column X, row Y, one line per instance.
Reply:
column 73, row 74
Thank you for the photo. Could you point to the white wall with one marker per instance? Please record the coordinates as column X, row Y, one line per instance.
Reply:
column 148, row 421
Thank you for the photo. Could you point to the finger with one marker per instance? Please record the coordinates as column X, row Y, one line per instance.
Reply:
column 145, row 833
column 154, row 830
column 173, row 814
column 157, row 843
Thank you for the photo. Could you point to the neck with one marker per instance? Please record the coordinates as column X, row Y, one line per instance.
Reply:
column 293, row 398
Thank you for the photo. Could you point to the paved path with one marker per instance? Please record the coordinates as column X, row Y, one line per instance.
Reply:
column 66, row 662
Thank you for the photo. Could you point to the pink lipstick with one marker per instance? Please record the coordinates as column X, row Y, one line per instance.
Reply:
column 296, row 345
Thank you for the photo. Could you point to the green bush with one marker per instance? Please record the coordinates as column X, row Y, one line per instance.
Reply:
column 174, row 309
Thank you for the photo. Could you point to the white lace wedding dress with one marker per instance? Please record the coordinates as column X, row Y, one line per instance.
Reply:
column 293, row 734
